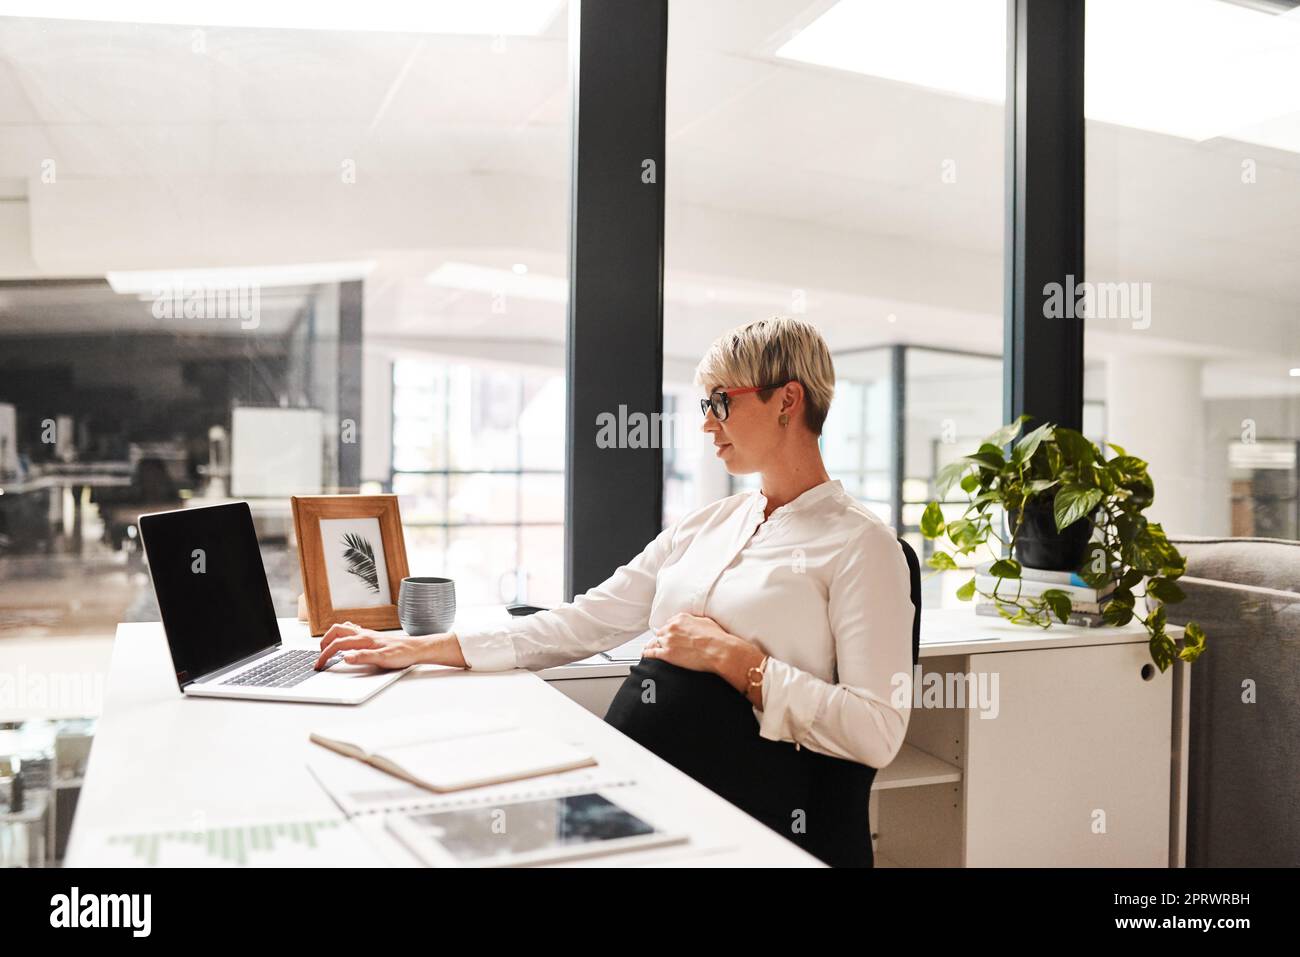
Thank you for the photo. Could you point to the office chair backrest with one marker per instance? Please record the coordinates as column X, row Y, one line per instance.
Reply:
column 698, row 723
column 914, row 574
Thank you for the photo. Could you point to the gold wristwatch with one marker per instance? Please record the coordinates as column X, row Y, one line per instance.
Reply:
column 755, row 674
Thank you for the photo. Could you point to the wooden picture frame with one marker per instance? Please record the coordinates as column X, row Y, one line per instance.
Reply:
column 340, row 577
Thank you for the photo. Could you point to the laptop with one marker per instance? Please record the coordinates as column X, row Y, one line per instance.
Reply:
column 216, row 609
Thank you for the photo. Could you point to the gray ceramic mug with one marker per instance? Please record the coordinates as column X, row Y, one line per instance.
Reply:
column 426, row 606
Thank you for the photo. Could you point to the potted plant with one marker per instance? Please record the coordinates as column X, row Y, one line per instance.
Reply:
column 1067, row 508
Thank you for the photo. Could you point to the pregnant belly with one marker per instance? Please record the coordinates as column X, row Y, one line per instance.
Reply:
column 701, row 725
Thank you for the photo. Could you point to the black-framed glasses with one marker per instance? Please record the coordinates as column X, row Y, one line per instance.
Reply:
column 719, row 400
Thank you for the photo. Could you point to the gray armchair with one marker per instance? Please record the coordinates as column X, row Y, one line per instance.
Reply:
column 1243, row 781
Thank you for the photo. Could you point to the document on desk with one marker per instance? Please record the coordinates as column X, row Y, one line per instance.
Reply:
column 452, row 751
column 330, row 842
column 360, row 789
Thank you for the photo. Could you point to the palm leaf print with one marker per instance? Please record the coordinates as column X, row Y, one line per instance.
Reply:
column 360, row 556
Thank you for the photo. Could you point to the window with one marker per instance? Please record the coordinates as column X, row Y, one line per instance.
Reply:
column 478, row 460
column 221, row 239
column 1193, row 231
column 843, row 163
column 859, row 438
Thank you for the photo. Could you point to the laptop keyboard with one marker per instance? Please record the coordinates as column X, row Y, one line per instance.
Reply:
column 283, row 671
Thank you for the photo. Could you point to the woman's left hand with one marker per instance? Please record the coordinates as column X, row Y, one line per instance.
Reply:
column 701, row 644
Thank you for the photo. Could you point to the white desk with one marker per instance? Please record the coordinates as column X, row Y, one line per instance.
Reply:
column 161, row 760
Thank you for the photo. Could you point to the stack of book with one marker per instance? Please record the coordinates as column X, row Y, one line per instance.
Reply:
column 1086, row 603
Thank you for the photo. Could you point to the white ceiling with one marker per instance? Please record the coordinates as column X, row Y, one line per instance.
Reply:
column 785, row 183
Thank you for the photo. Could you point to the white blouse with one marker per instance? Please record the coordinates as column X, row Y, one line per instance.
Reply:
column 821, row 586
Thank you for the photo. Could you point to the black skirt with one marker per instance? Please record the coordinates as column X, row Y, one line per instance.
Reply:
column 701, row 725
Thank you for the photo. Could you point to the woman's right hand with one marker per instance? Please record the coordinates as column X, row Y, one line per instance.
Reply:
column 388, row 649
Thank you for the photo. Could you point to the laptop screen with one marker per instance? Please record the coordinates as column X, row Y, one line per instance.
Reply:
column 211, row 586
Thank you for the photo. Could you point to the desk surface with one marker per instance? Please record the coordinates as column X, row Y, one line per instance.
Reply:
column 161, row 760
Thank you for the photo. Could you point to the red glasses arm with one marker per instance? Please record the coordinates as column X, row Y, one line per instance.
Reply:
column 754, row 388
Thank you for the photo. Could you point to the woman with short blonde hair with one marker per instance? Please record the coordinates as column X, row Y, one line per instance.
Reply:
column 780, row 620
column 777, row 350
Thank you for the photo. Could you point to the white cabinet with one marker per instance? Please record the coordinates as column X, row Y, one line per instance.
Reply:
column 1062, row 758
column 1075, row 768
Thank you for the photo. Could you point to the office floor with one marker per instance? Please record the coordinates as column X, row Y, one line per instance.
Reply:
column 66, row 595
column 58, row 613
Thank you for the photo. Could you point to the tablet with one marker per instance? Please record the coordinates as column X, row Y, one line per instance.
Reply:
column 525, row 833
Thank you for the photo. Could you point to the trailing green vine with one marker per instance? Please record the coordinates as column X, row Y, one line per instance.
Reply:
column 1056, row 465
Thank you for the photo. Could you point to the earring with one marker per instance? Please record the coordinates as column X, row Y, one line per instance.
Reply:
column 784, row 420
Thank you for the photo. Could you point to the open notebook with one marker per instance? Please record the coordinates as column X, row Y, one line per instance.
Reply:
column 450, row 751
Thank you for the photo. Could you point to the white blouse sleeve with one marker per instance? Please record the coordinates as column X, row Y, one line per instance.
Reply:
column 862, row 718
column 604, row 617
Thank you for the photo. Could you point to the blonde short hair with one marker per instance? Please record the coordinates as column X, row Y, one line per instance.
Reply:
column 773, row 352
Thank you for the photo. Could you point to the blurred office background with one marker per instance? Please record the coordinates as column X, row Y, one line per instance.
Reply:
column 395, row 202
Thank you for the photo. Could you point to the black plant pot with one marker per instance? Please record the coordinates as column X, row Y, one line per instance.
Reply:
column 1040, row 545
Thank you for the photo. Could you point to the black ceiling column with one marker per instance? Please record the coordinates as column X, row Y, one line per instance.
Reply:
column 614, row 493
column 1043, row 356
